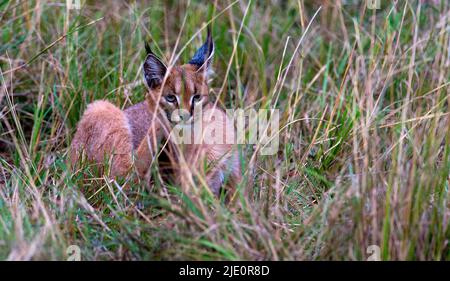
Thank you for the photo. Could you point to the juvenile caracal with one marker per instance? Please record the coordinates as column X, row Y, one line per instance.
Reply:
column 130, row 138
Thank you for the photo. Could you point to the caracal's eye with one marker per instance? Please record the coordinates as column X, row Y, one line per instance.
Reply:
column 170, row 98
column 196, row 98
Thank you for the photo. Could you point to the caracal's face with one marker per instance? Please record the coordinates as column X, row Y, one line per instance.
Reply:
column 184, row 91
column 179, row 90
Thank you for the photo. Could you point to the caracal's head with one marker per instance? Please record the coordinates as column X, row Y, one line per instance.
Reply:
column 180, row 89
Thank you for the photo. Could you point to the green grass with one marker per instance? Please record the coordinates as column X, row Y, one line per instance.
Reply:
column 364, row 155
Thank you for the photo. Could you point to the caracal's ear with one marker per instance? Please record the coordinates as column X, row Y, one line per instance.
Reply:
column 153, row 69
column 203, row 57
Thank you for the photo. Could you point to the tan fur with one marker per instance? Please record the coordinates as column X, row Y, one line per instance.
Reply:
column 222, row 157
column 104, row 133
column 185, row 82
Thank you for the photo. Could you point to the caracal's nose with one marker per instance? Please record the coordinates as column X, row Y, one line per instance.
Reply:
column 180, row 116
column 185, row 116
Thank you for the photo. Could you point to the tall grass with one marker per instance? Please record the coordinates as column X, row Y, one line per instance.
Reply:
column 364, row 146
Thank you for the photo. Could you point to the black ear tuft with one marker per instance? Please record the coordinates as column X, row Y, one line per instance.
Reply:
column 148, row 49
column 202, row 58
column 154, row 70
